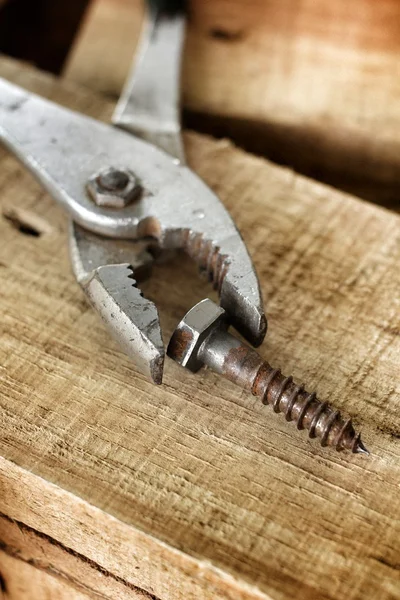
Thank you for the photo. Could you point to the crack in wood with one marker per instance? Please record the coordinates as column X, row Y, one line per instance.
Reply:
column 15, row 553
column 26, row 222
column 3, row 585
column 387, row 563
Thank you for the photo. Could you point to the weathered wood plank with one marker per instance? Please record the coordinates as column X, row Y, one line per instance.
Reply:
column 314, row 86
column 203, row 489
column 25, row 582
column 33, row 565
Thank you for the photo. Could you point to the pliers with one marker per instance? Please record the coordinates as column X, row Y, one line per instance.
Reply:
column 130, row 195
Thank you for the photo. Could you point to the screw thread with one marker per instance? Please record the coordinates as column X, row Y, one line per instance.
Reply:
column 319, row 418
column 245, row 367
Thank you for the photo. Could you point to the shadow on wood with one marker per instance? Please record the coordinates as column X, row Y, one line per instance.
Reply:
column 40, row 32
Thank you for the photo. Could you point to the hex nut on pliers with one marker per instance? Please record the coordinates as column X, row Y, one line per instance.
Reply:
column 114, row 187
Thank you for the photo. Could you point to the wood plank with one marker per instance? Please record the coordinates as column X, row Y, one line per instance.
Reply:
column 310, row 85
column 104, row 48
column 193, row 489
column 25, row 582
column 33, row 565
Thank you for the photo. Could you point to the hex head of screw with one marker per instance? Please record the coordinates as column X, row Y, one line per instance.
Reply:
column 195, row 327
column 114, row 187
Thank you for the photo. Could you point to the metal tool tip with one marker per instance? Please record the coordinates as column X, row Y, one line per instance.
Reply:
column 360, row 448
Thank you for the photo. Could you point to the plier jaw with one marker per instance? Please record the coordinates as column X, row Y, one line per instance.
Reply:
column 108, row 271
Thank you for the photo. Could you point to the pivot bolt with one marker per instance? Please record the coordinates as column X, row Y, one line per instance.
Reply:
column 114, row 188
column 113, row 180
column 202, row 338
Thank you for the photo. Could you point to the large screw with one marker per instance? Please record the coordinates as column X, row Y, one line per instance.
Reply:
column 202, row 338
column 114, row 188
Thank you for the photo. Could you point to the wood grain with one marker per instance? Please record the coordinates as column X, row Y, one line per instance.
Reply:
column 308, row 84
column 193, row 489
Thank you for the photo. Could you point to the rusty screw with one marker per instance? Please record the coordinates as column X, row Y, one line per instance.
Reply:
column 202, row 338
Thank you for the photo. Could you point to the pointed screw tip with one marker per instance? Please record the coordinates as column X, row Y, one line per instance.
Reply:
column 361, row 449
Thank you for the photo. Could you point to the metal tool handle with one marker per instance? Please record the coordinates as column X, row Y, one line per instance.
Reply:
column 149, row 104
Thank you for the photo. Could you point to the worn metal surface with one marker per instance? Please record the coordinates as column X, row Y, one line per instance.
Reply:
column 150, row 102
column 201, row 338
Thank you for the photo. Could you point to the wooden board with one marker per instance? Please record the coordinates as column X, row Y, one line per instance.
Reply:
column 34, row 565
column 194, row 489
column 312, row 85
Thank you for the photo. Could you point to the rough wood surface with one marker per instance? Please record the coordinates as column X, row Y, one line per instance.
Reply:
column 312, row 85
column 194, row 489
